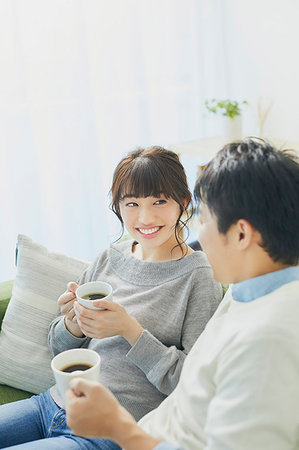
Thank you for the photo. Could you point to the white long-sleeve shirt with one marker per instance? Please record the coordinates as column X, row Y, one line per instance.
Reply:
column 239, row 387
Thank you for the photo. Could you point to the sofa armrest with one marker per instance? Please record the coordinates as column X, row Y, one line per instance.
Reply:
column 8, row 393
column 5, row 294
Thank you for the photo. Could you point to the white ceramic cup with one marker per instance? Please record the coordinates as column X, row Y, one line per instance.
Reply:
column 75, row 356
column 91, row 287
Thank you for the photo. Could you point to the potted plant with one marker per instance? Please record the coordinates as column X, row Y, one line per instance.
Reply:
column 231, row 110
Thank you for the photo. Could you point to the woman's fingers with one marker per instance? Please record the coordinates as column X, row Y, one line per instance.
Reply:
column 106, row 304
column 66, row 297
column 72, row 286
column 84, row 313
column 67, row 308
column 66, row 300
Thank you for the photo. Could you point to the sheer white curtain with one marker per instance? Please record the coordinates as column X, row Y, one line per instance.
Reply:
column 82, row 82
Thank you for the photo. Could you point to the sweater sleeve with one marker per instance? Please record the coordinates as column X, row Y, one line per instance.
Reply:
column 59, row 338
column 256, row 402
column 161, row 364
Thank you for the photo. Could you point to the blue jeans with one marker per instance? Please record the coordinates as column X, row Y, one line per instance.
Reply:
column 37, row 423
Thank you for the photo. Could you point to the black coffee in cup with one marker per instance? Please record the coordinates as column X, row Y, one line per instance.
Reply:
column 94, row 296
column 78, row 366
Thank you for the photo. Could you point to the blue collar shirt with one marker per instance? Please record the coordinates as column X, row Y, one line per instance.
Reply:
column 249, row 290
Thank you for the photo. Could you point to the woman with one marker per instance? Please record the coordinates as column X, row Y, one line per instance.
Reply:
column 163, row 296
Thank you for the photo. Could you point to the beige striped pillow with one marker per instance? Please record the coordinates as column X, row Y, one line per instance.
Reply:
column 41, row 278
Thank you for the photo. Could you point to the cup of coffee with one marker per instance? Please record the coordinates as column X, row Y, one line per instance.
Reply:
column 77, row 362
column 94, row 290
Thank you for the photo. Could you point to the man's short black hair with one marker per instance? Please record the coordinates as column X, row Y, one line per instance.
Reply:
column 252, row 180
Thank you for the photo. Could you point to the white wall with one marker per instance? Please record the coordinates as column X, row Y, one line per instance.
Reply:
column 82, row 83
column 262, row 61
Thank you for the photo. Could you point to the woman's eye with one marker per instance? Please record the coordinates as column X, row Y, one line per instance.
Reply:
column 131, row 204
column 160, row 202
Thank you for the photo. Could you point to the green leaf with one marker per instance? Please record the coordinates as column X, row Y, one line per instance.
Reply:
column 230, row 108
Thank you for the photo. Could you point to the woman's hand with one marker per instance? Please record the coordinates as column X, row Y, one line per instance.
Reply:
column 112, row 321
column 66, row 304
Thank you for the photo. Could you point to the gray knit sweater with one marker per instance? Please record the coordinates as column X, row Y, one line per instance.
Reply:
column 172, row 300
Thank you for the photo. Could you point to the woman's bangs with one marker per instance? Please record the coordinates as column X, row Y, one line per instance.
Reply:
column 145, row 181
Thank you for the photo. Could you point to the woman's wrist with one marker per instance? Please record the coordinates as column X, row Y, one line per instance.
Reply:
column 132, row 330
column 73, row 327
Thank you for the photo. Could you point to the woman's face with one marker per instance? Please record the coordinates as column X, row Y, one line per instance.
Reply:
column 151, row 220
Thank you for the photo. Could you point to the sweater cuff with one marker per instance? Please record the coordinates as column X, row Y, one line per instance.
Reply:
column 146, row 352
column 67, row 339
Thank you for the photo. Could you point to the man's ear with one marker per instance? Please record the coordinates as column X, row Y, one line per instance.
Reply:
column 245, row 234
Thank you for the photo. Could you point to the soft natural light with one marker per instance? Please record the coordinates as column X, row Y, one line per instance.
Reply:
column 84, row 82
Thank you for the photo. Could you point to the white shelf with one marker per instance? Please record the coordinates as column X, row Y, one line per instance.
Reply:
column 205, row 149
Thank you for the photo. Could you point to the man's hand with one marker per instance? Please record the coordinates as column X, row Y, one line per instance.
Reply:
column 93, row 411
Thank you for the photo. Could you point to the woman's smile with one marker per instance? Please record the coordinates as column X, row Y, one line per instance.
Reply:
column 151, row 221
column 149, row 232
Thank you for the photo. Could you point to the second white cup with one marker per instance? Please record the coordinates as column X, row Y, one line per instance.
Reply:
column 77, row 362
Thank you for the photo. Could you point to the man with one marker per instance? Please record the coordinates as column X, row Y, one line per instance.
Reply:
column 239, row 387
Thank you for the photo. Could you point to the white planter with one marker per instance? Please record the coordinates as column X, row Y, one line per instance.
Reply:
column 232, row 128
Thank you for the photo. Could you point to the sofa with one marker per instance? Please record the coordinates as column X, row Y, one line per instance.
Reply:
column 27, row 306
column 7, row 393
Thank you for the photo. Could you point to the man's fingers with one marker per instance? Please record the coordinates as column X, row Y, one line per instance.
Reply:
column 81, row 387
column 70, row 395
